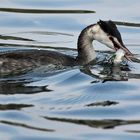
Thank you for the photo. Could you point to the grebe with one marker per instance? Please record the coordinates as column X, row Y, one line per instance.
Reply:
column 105, row 32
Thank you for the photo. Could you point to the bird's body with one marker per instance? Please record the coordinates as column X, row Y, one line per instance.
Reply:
column 22, row 61
column 25, row 60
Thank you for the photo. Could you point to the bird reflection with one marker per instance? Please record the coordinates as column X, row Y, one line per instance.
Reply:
column 103, row 123
column 16, row 87
column 109, row 72
column 14, row 106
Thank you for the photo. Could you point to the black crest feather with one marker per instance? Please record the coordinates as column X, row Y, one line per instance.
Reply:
column 110, row 28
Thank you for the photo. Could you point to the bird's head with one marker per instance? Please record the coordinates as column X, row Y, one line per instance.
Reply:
column 107, row 33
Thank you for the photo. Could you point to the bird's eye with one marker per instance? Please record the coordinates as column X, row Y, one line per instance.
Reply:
column 111, row 38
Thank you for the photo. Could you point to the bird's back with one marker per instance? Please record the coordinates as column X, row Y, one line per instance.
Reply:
column 25, row 60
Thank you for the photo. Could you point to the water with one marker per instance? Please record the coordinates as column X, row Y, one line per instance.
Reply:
column 99, row 103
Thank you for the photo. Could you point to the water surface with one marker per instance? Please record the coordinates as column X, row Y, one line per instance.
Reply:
column 97, row 102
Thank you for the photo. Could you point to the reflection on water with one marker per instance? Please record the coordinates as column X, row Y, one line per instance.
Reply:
column 24, row 126
column 13, row 106
column 13, row 38
column 104, row 124
column 20, row 88
column 127, row 24
column 92, row 102
column 104, row 103
column 41, row 11
column 111, row 73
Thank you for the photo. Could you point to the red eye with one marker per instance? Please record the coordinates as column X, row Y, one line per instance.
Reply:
column 111, row 38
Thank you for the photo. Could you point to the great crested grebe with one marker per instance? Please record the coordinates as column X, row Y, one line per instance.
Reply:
column 105, row 32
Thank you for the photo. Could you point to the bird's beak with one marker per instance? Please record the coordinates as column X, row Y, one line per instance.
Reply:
column 120, row 45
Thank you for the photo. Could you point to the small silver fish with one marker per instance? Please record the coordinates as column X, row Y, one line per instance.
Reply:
column 119, row 56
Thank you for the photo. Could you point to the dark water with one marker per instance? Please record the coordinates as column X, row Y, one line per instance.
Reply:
column 98, row 103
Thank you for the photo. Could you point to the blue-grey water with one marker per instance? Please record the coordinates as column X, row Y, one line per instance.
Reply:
column 78, row 103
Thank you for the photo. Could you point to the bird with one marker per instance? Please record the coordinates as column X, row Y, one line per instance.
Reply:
column 105, row 32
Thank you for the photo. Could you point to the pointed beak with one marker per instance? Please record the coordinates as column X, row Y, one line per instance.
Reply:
column 120, row 45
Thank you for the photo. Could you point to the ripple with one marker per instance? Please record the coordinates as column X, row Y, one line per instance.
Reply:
column 96, row 102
